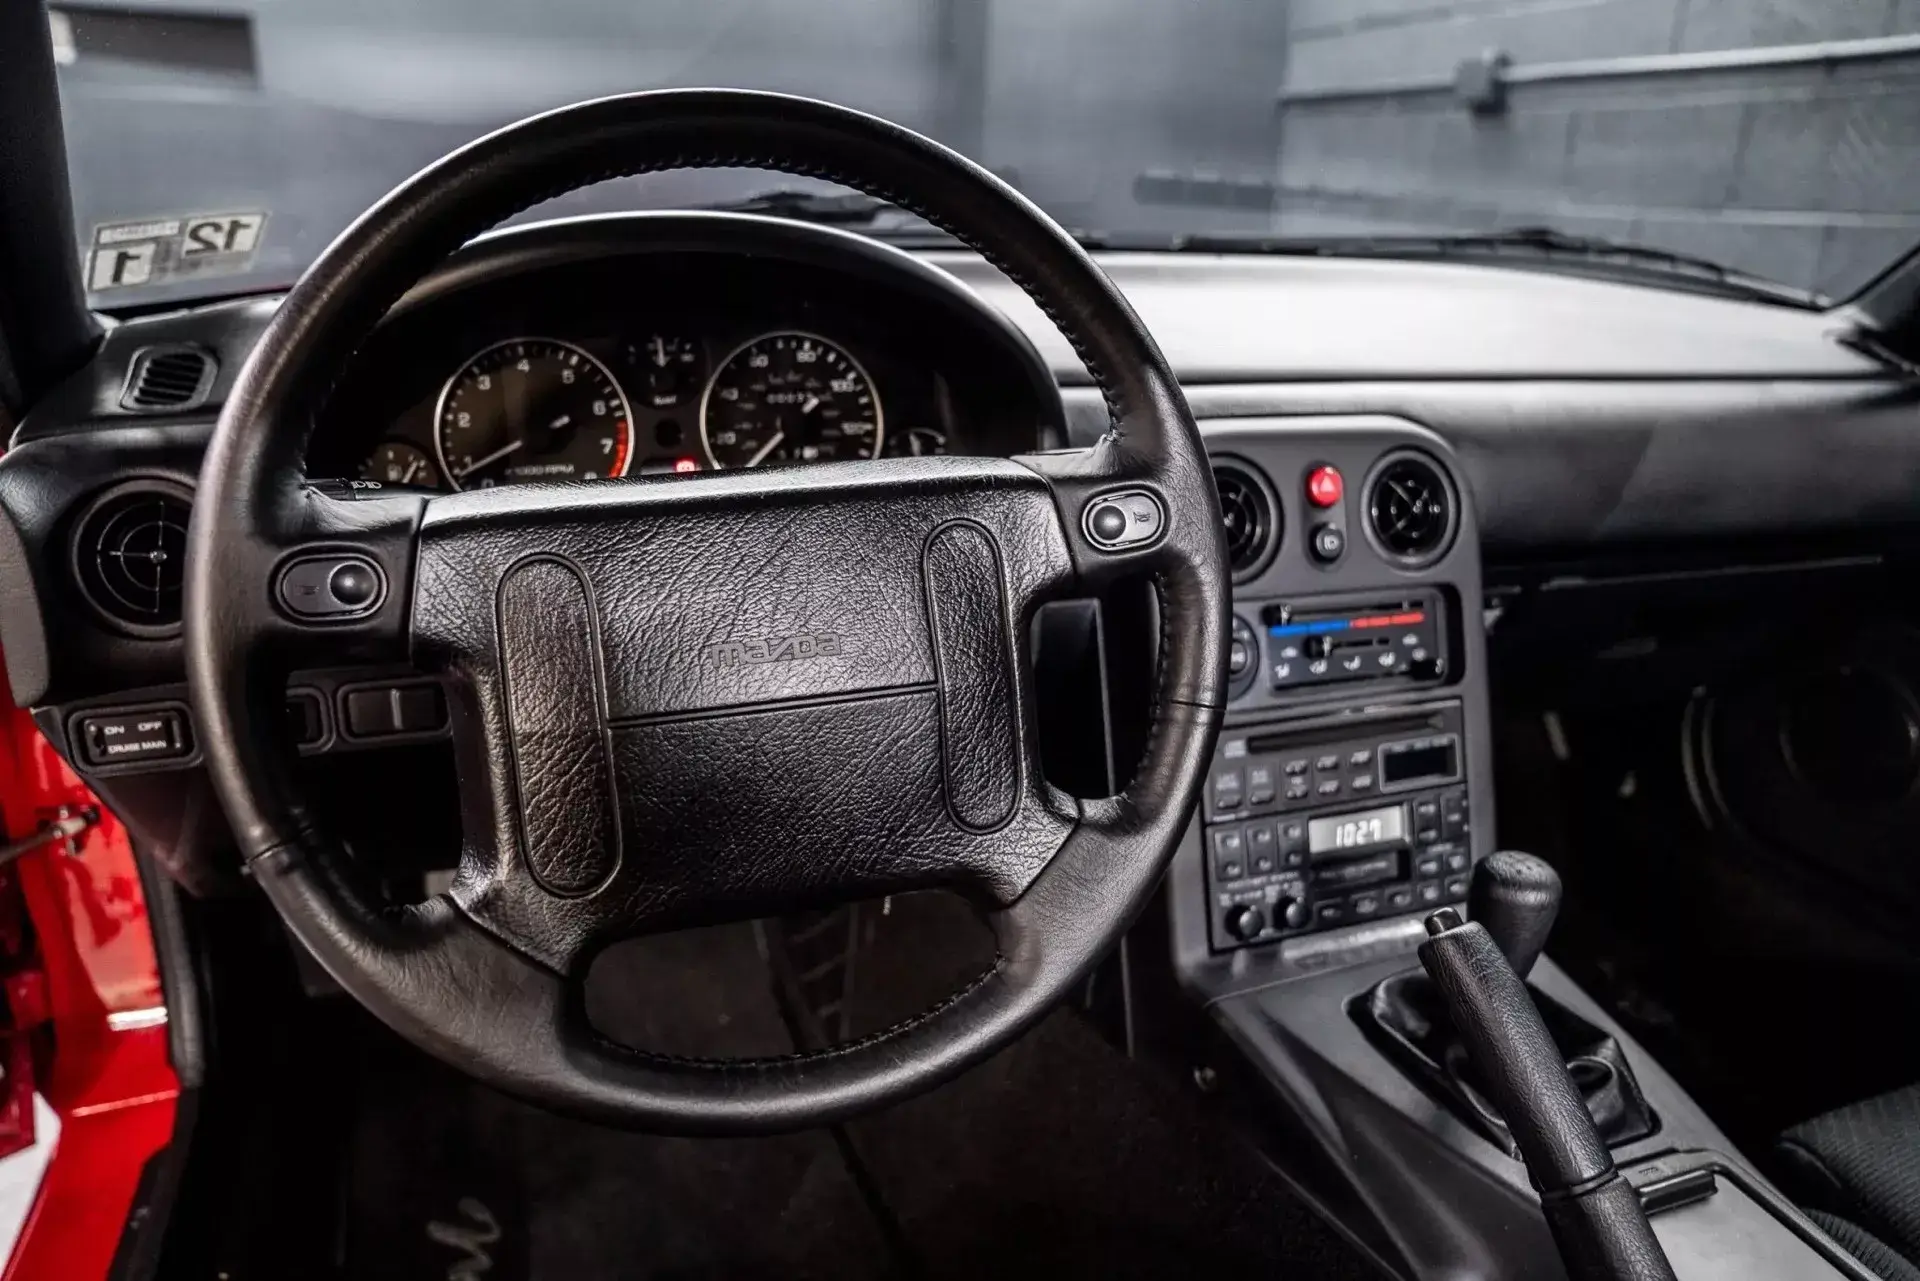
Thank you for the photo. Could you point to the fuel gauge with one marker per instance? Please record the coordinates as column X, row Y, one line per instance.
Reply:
column 396, row 462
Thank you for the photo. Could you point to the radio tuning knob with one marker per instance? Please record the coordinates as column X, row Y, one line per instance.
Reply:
column 1245, row 922
column 1290, row 913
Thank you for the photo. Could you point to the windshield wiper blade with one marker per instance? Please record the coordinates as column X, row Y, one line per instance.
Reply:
column 1551, row 242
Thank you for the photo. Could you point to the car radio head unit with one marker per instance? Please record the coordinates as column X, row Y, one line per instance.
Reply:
column 1312, row 827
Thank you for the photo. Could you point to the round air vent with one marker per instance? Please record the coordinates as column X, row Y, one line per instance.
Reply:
column 1411, row 512
column 1250, row 515
column 129, row 555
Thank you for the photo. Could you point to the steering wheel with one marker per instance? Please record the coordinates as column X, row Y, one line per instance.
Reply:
column 679, row 700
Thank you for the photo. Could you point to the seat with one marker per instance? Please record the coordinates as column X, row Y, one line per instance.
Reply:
column 1856, row 1172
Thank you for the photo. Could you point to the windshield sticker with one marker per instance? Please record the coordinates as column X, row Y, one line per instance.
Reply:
column 154, row 251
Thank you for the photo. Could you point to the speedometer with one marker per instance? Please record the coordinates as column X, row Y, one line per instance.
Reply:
column 532, row 409
column 789, row 398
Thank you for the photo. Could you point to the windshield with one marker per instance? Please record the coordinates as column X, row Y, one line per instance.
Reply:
column 217, row 148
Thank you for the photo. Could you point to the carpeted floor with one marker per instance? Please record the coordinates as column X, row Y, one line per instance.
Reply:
column 1057, row 1157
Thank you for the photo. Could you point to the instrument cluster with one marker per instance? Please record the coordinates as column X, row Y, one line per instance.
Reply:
column 644, row 364
column 548, row 409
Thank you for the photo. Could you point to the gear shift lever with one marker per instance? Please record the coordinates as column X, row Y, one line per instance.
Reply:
column 1595, row 1216
column 1515, row 897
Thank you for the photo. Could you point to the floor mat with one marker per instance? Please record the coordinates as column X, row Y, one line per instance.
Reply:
column 450, row 1180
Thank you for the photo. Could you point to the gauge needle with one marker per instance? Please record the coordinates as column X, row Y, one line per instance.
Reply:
column 489, row 460
column 773, row 443
column 412, row 467
column 813, row 403
column 560, row 422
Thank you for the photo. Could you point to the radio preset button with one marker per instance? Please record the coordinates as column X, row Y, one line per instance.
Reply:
column 1456, row 887
column 1328, row 787
column 1297, row 789
column 1360, row 758
column 1360, row 783
column 1334, row 912
column 1427, row 865
column 1295, row 767
column 1428, row 892
column 1364, row 905
column 1262, row 850
column 1400, row 898
column 1327, row 762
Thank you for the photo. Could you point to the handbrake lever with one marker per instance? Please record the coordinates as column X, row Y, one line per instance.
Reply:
column 1594, row 1214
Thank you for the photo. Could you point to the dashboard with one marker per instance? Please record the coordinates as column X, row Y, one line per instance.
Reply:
column 527, row 362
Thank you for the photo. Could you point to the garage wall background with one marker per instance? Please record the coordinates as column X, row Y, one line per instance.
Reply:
column 1807, row 171
column 1299, row 116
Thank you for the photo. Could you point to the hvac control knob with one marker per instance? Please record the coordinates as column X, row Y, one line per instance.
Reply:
column 1245, row 922
column 1290, row 913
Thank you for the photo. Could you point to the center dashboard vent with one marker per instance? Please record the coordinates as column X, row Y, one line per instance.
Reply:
column 1411, row 511
column 167, row 378
column 130, row 555
column 1250, row 517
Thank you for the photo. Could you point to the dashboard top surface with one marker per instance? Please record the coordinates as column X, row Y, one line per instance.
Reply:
column 1246, row 318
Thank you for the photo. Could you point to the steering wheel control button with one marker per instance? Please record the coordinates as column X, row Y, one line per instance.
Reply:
column 130, row 738
column 1108, row 523
column 1327, row 544
column 1325, row 487
column 1125, row 521
column 331, row 588
column 354, row 585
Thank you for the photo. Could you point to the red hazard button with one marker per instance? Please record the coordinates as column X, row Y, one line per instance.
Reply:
column 1324, row 486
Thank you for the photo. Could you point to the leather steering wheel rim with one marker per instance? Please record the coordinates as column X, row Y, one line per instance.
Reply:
column 487, row 977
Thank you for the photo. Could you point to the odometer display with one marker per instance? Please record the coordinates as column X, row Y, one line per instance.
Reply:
column 789, row 398
column 532, row 409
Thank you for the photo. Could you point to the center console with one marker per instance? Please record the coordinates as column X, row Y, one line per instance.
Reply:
column 1349, row 796
column 1352, row 784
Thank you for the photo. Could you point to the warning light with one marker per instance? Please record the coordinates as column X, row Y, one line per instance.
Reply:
column 684, row 465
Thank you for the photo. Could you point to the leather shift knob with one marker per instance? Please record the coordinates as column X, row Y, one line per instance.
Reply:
column 1516, row 897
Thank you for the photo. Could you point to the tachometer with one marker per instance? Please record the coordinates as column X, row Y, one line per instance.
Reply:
column 532, row 409
column 789, row 398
